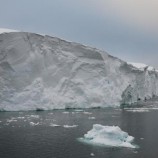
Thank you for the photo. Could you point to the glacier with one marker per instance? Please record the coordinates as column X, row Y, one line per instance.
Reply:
column 44, row 72
column 108, row 136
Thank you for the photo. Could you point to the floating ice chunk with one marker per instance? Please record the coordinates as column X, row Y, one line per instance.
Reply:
column 11, row 120
column 108, row 136
column 50, row 113
column 91, row 118
column 78, row 110
column 34, row 124
column 65, row 112
column 33, row 116
column 92, row 154
column 54, row 125
column 137, row 109
column 87, row 113
column 70, row 126
column 20, row 117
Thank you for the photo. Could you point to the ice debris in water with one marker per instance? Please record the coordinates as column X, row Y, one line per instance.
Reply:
column 108, row 136
column 34, row 124
column 92, row 154
column 70, row 126
column 54, row 125
column 137, row 109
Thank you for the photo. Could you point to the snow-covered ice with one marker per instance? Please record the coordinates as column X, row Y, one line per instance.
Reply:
column 108, row 136
column 4, row 30
column 43, row 72
column 142, row 66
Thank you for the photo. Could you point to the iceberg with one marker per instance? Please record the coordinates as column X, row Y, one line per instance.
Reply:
column 108, row 136
column 43, row 72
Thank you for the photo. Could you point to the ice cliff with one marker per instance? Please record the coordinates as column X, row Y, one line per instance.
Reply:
column 43, row 72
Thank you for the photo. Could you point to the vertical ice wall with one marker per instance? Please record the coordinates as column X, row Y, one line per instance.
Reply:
column 47, row 72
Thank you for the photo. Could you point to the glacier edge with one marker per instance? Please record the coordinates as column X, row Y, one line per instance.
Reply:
column 43, row 72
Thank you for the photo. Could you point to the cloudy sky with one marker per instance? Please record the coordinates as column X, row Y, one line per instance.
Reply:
column 127, row 29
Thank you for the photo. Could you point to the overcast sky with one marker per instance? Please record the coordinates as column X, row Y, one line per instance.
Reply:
column 127, row 29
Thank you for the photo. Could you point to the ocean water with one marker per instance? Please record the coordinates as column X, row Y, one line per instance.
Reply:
column 54, row 134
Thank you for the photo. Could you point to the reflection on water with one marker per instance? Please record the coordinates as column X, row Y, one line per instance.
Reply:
column 53, row 134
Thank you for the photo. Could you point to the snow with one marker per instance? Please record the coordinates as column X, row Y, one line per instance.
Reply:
column 4, row 30
column 43, row 72
column 108, row 136
column 142, row 66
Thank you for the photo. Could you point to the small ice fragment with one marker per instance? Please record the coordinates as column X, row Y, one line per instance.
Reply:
column 65, row 112
column 135, row 152
column 34, row 124
column 92, row 154
column 78, row 110
column 50, row 113
column 21, row 117
column 91, row 118
column 87, row 113
column 54, row 125
column 33, row 116
column 137, row 109
column 70, row 126
column 11, row 120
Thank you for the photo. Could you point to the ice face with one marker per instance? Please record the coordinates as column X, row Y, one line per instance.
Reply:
column 108, row 136
column 43, row 72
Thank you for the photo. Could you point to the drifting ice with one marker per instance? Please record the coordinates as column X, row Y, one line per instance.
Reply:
column 108, row 136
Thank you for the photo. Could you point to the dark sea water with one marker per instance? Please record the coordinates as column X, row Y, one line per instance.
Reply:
column 34, row 134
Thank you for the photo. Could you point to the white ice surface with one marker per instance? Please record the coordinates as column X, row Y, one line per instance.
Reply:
column 108, row 136
column 4, row 30
column 43, row 72
column 142, row 66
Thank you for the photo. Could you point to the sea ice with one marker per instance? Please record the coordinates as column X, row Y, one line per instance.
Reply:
column 108, row 136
